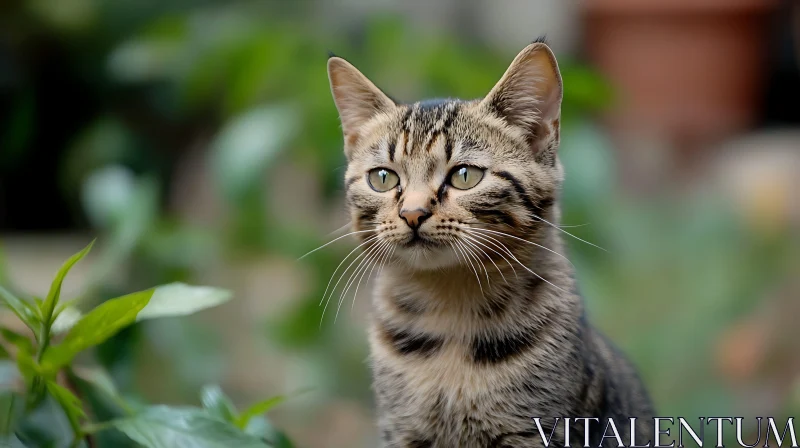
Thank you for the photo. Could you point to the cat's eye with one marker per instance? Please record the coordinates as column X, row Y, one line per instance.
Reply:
column 382, row 179
column 465, row 177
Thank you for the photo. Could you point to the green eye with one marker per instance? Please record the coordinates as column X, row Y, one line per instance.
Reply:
column 466, row 177
column 381, row 179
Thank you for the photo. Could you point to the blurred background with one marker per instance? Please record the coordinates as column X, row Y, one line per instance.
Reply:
column 198, row 141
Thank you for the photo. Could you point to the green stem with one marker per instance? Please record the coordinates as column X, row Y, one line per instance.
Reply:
column 91, row 428
column 38, row 381
column 44, row 341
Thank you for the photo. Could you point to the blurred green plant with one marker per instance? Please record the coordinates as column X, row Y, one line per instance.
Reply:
column 42, row 385
column 244, row 82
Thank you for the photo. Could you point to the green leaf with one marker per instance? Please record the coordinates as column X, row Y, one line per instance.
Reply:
column 72, row 406
column 180, row 299
column 167, row 427
column 174, row 299
column 103, row 403
column 10, row 441
column 55, row 288
column 11, row 410
column 65, row 320
column 218, row 404
column 257, row 409
column 261, row 427
column 98, row 378
column 44, row 424
column 248, row 144
column 23, row 310
column 27, row 366
column 95, row 327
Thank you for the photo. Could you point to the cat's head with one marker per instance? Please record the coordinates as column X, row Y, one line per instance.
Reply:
column 422, row 177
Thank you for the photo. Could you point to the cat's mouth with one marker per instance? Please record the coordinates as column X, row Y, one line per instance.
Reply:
column 419, row 251
column 418, row 240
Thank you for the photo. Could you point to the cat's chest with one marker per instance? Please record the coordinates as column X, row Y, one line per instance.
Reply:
column 446, row 396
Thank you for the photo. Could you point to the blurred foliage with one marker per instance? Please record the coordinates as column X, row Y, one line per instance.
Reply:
column 243, row 79
column 244, row 84
column 42, row 386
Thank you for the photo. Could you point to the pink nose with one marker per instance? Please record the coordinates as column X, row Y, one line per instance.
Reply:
column 414, row 218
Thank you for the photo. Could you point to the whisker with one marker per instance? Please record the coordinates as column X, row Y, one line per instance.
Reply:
column 559, row 228
column 523, row 240
column 361, row 268
column 454, row 251
column 335, row 240
column 388, row 258
column 537, row 275
column 473, row 243
column 477, row 259
column 458, row 246
column 459, row 254
column 327, row 302
column 368, row 240
column 495, row 243
column 368, row 253
column 340, row 229
column 564, row 231
column 377, row 260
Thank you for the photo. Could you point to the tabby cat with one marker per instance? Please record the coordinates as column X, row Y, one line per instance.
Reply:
column 477, row 324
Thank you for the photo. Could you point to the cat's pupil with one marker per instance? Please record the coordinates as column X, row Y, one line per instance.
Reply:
column 383, row 174
column 463, row 173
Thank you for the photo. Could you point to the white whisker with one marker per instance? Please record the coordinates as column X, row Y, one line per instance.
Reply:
column 368, row 240
column 452, row 246
column 458, row 246
column 340, row 229
column 386, row 260
column 562, row 230
column 523, row 240
column 497, row 244
column 361, row 268
column 532, row 272
column 477, row 259
column 327, row 302
column 473, row 243
column 378, row 259
column 335, row 240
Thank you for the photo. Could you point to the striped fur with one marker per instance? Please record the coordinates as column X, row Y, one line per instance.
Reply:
column 462, row 356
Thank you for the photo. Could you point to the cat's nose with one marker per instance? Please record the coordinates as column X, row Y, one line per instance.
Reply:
column 415, row 217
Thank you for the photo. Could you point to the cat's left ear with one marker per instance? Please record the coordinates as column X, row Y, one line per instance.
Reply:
column 356, row 97
column 528, row 97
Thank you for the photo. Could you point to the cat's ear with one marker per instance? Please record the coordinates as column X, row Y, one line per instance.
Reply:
column 528, row 97
column 356, row 97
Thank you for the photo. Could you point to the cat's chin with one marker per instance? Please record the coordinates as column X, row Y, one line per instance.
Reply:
column 426, row 258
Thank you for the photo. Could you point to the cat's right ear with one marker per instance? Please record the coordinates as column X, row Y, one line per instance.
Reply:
column 356, row 97
column 528, row 97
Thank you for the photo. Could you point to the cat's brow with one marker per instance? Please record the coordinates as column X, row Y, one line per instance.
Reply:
column 392, row 147
column 468, row 151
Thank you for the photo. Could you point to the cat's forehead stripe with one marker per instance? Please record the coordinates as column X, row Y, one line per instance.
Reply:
column 423, row 123
column 392, row 147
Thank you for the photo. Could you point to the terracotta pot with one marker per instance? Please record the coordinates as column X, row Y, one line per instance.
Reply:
column 689, row 71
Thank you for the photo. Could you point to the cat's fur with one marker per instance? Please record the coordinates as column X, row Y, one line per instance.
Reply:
column 464, row 356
